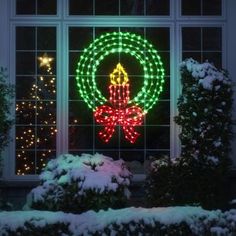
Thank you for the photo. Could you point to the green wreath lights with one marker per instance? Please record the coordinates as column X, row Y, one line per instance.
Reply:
column 121, row 42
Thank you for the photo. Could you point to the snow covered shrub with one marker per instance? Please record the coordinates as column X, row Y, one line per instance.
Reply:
column 200, row 175
column 80, row 183
column 205, row 112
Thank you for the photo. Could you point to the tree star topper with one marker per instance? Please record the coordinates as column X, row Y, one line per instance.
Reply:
column 45, row 60
column 121, row 110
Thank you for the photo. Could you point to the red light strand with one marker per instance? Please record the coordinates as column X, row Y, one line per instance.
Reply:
column 128, row 118
column 119, row 114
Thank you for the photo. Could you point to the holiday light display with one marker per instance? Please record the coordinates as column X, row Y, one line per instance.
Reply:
column 45, row 61
column 26, row 139
column 119, row 113
column 127, row 43
column 124, row 111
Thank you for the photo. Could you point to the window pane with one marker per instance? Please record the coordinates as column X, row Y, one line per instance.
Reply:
column 46, row 88
column 46, row 137
column 201, row 7
column 36, row 7
column 25, row 38
column 73, row 61
column 25, row 63
column 80, row 37
column 46, row 113
column 110, row 7
column 46, row 38
column 79, row 113
column 159, row 37
column 157, row 137
column 161, row 115
column 25, row 7
column 132, row 7
column 191, row 39
column 81, row 7
column 25, row 88
column 47, row 7
column 25, row 137
column 25, row 162
column 25, row 113
column 80, row 137
column 157, row 7
column 191, row 8
column 211, row 7
column 212, row 39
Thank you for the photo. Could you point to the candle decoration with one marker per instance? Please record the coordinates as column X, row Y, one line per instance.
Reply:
column 119, row 113
column 122, row 110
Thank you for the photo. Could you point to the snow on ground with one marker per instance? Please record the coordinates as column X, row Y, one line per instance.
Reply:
column 92, row 221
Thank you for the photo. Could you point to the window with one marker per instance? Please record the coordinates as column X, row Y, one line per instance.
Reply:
column 49, row 38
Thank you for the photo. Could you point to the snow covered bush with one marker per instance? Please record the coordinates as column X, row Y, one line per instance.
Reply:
column 171, row 221
column 200, row 175
column 205, row 112
column 80, row 183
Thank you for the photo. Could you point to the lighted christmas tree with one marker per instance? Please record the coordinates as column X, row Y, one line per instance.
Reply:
column 42, row 113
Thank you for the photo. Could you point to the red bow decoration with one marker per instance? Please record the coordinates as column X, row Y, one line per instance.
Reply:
column 128, row 118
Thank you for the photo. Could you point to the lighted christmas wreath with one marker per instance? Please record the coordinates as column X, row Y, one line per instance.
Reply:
column 121, row 109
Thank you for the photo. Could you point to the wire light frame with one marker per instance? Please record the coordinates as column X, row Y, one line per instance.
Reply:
column 121, row 109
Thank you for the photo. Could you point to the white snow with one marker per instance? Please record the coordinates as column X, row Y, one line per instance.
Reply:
column 233, row 201
column 207, row 82
column 213, row 159
column 219, row 231
column 92, row 221
column 206, row 73
column 217, row 143
column 95, row 172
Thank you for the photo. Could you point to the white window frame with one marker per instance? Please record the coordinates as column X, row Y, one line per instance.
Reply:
column 62, row 21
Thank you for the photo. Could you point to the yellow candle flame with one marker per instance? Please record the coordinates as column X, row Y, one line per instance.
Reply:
column 119, row 75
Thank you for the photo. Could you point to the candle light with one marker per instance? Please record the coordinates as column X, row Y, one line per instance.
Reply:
column 119, row 87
